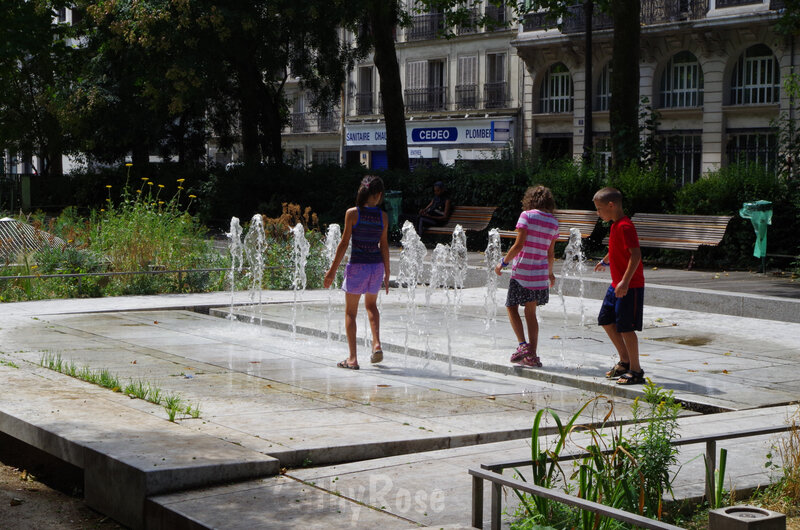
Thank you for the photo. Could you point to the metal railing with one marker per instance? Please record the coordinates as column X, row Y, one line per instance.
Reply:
column 466, row 97
column 495, row 95
column 425, row 27
column 652, row 12
column 365, row 103
column 310, row 122
column 425, row 99
column 472, row 23
column 493, row 473
column 734, row 3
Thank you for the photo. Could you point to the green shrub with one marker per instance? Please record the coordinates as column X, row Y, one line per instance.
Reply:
column 644, row 189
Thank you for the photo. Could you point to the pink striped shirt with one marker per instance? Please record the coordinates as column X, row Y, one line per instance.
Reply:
column 529, row 268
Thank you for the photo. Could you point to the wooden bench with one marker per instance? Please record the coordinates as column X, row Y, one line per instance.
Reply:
column 677, row 231
column 469, row 217
column 583, row 220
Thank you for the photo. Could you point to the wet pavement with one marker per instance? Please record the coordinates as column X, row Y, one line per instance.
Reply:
column 389, row 444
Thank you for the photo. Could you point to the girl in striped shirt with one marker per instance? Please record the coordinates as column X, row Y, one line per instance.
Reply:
column 531, row 258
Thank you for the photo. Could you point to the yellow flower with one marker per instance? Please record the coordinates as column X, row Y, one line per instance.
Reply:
column 102, row 209
column 70, row 240
column 108, row 200
column 149, row 183
column 145, row 178
column 180, row 187
column 192, row 196
column 181, row 180
column 108, row 186
column 138, row 191
column 160, row 202
column 128, row 164
column 160, row 185
column 34, row 266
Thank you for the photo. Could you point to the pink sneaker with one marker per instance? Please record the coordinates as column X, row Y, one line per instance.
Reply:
column 531, row 361
column 521, row 352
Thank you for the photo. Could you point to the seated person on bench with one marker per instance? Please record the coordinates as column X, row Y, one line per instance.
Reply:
column 437, row 212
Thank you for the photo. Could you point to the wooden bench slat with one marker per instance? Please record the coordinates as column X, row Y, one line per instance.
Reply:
column 471, row 218
column 583, row 220
column 677, row 231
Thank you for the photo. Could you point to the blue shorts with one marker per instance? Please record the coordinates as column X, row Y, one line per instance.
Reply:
column 626, row 312
column 361, row 278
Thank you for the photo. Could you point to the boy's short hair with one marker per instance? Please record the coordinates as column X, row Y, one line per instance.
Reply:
column 608, row 195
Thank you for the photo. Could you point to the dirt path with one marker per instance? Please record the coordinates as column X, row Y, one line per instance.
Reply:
column 39, row 493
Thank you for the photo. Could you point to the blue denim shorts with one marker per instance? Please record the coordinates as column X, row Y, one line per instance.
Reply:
column 361, row 278
column 626, row 312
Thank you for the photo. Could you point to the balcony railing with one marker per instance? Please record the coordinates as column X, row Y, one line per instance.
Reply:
column 497, row 13
column 466, row 97
column 495, row 95
column 426, row 99
column 425, row 27
column 652, row 12
column 472, row 23
column 365, row 103
column 538, row 21
column 313, row 122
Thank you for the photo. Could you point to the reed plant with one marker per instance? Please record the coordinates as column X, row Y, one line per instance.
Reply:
column 628, row 470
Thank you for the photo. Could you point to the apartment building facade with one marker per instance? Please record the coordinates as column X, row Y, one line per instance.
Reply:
column 463, row 98
column 711, row 69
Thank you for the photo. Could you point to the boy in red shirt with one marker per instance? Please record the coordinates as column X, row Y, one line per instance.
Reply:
column 621, row 312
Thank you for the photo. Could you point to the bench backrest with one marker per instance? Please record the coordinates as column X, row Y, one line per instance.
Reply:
column 583, row 220
column 660, row 230
column 469, row 217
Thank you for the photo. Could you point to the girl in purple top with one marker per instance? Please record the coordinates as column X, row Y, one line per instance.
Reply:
column 368, row 268
column 531, row 258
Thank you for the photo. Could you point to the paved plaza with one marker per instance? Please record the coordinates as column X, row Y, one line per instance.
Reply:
column 286, row 438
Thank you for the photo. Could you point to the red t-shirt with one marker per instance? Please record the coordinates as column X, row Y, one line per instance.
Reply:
column 623, row 237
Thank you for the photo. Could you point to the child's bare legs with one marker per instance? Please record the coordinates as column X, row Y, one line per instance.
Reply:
column 374, row 316
column 350, row 314
column 533, row 327
column 516, row 322
column 627, row 345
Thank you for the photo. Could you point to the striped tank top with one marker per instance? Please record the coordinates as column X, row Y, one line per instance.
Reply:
column 530, row 267
column 366, row 236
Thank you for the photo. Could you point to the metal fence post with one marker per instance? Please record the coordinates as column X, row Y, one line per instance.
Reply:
column 477, row 502
column 711, row 462
column 497, row 490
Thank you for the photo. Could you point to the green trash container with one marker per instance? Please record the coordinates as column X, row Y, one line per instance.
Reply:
column 394, row 201
column 760, row 214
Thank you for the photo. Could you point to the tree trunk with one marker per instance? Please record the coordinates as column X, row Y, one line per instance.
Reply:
column 624, row 104
column 249, row 111
column 272, row 126
column 382, row 18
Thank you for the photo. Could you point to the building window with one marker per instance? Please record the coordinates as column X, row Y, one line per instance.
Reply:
column 556, row 95
column 323, row 157
column 467, row 83
column 425, row 24
column 365, row 100
column 682, row 82
column 426, row 90
column 756, row 77
column 299, row 123
column 603, row 93
column 682, row 155
column 495, row 90
column 759, row 148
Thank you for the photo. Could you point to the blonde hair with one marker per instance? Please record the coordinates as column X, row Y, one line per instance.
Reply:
column 539, row 198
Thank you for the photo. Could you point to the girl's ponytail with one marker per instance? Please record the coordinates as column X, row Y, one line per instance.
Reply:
column 370, row 185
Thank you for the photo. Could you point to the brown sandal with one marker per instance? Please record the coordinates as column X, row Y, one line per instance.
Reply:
column 345, row 364
column 619, row 370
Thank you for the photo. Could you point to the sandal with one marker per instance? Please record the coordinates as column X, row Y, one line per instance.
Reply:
column 377, row 356
column 531, row 361
column 631, row 378
column 345, row 364
column 619, row 369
